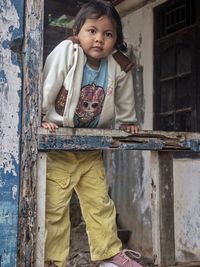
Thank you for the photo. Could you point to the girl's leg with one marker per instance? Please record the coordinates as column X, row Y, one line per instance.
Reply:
column 98, row 211
column 58, row 194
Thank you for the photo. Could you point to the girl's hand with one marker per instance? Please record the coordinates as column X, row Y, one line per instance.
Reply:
column 51, row 126
column 130, row 128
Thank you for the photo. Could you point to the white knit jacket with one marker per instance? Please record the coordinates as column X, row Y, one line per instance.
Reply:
column 64, row 67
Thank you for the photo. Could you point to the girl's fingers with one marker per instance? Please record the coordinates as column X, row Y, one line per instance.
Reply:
column 134, row 129
column 131, row 128
column 50, row 126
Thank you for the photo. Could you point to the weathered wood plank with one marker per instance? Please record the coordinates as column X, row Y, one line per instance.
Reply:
column 166, row 211
column 32, row 68
column 162, row 208
column 119, row 133
column 79, row 139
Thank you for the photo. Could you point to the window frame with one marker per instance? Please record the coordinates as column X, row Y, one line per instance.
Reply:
column 159, row 41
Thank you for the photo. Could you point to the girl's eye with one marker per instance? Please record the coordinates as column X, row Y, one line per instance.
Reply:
column 108, row 34
column 92, row 31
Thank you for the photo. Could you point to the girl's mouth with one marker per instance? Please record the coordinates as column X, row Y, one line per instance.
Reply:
column 97, row 48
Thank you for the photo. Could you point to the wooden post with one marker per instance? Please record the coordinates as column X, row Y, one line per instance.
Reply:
column 163, row 208
column 32, row 69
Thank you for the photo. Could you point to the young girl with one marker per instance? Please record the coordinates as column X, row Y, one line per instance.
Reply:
column 87, row 83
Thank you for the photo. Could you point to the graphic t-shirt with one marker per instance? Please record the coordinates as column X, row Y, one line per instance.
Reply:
column 94, row 84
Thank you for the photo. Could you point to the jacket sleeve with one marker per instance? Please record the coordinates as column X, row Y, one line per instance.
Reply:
column 55, row 70
column 124, row 99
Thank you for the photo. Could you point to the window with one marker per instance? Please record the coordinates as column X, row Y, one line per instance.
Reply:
column 58, row 19
column 177, row 66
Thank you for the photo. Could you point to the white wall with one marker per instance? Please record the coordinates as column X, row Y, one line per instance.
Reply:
column 187, row 209
column 138, row 32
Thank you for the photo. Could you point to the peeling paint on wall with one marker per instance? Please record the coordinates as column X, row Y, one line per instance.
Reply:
column 134, row 53
column 187, row 209
column 10, row 86
column 127, row 179
column 10, row 98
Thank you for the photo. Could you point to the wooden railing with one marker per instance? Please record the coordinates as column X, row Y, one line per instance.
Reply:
column 161, row 144
column 87, row 139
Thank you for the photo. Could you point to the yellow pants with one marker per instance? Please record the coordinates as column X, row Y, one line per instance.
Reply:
column 83, row 172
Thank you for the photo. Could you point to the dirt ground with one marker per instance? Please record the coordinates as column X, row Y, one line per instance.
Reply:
column 80, row 255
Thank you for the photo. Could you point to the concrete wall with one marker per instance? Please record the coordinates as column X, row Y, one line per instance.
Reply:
column 129, row 172
column 187, row 209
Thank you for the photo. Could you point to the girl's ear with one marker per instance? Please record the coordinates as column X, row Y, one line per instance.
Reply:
column 74, row 39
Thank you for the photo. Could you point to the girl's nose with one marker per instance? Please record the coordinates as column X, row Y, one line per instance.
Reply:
column 99, row 38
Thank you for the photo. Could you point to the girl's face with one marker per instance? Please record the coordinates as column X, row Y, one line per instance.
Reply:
column 97, row 38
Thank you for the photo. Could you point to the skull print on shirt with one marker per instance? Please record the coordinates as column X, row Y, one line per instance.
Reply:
column 90, row 105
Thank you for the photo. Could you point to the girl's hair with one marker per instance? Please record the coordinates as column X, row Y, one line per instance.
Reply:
column 95, row 9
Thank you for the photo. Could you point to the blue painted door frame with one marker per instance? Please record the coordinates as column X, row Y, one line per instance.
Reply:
column 11, row 31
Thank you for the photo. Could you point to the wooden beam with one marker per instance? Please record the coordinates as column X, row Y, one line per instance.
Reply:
column 166, row 211
column 32, row 69
column 163, row 208
column 87, row 139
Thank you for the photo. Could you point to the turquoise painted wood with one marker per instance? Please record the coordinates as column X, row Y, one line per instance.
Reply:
column 11, row 32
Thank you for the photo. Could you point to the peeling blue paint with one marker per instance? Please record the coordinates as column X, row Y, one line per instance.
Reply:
column 19, row 5
column 11, row 28
column 15, row 59
column 5, row 44
column 74, row 143
column 12, row 17
column 8, row 220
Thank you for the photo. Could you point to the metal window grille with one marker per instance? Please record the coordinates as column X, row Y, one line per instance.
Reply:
column 173, row 16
